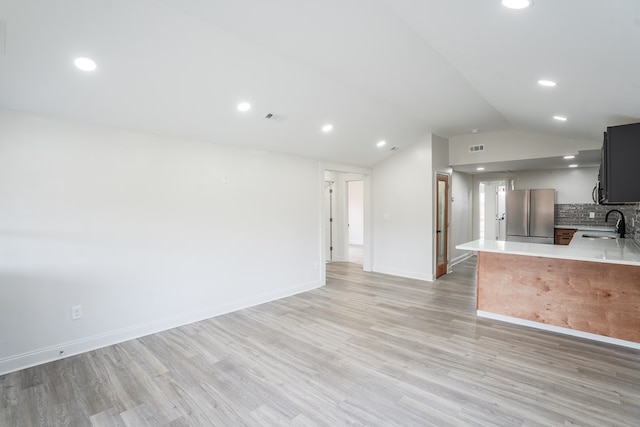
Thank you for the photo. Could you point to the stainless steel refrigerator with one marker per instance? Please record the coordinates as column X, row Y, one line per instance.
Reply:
column 530, row 215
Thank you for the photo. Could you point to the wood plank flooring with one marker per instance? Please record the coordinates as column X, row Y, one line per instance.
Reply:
column 367, row 349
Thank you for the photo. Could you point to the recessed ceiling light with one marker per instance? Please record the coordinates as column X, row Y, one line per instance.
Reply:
column 516, row 4
column 573, row 166
column 244, row 106
column 547, row 83
column 569, row 157
column 474, row 130
column 327, row 128
column 480, row 168
column 560, row 118
column 85, row 64
column 381, row 143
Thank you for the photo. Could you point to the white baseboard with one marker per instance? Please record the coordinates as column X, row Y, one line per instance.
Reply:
column 71, row 348
column 457, row 260
column 558, row 329
column 403, row 273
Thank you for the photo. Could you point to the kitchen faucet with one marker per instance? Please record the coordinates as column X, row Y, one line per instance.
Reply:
column 620, row 225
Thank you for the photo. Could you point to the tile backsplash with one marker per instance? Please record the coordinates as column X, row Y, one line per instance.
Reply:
column 637, row 231
column 578, row 214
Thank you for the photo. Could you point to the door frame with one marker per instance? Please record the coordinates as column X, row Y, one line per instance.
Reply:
column 441, row 269
column 507, row 179
column 368, row 209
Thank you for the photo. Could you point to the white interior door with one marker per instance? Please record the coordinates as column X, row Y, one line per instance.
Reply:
column 492, row 202
column 356, row 212
column 329, row 207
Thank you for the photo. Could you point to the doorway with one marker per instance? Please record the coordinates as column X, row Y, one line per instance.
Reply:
column 346, row 216
column 442, row 224
column 492, row 208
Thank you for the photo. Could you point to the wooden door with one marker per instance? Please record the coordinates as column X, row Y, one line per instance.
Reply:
column 442, row 224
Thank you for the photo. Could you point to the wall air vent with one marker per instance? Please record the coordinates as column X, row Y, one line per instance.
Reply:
column 275, row 117
column 476, row 148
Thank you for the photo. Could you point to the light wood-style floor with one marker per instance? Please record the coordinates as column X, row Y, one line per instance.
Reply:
column 367, row 349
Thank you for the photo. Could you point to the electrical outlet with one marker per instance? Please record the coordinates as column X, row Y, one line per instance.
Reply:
column 76, row 312
column 592, row 215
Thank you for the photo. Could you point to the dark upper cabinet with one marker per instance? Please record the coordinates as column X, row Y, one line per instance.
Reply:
column 619, row 174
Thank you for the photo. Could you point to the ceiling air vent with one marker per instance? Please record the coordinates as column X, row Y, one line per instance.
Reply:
column 275, row 117
column 475, row 148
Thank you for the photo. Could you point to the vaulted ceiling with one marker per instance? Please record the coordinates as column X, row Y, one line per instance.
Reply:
column 390, row 70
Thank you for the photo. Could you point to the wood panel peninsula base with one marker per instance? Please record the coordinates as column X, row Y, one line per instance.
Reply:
column 595, row 300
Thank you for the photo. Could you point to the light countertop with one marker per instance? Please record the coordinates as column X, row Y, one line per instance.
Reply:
column 614, row 251
column 586, row 227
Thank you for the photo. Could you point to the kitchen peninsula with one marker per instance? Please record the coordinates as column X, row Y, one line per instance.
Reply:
column 590, row 288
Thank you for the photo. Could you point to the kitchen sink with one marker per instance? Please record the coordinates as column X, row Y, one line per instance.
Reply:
column 598, row 236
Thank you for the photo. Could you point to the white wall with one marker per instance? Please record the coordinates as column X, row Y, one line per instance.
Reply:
column 572, row 185
column 403, row 212
column 356, row 212
column 461, row 214
column 513, row 145
column 144, row 232
column 440, row 155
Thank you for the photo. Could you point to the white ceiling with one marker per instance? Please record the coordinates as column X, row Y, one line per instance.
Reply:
column 376, row 69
